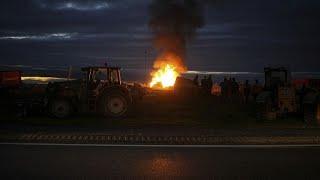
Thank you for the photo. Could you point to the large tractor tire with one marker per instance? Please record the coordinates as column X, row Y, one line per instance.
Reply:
column 264, row 110
column 311, row 109
column 264, row 106
column 60, row 109
column 114, row 104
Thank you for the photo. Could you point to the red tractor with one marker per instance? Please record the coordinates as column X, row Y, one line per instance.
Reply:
column 100, row 91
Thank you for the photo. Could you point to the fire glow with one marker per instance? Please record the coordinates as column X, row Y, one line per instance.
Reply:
column 166, row 76
column 166, row 70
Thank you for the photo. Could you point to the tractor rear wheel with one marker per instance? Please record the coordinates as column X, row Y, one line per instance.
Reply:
column 310, row 114
column 115, row 104
column 264, row 109
column 60, row 108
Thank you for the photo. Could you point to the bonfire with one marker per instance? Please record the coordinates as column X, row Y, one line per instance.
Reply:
column 166, row 69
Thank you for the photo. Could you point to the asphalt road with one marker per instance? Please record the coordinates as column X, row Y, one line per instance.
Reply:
column 90, row 162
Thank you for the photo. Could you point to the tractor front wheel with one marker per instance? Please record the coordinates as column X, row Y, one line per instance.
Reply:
column 60, row 109
column 311, row 114
column 264, row 109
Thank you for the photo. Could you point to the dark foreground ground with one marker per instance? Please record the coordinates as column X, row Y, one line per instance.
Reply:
column 163, row 109
column 91, row 162
column 163, row 138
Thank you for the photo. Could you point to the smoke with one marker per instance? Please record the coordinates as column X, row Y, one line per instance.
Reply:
column 174, row 23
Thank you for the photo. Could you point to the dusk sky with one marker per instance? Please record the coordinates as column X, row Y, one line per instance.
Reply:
column 238, row 35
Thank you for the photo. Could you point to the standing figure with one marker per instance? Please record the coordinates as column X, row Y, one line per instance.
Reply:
column 235, row 90
column 256, row 89
column 204, row 82
column 229, row 89
column 196, row 80
column 235, row 87
column 223, row 86
column 209, row 84
column 246, row 89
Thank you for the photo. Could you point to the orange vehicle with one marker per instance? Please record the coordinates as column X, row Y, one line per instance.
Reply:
column 278, row 96
column 282, row 96
column 311, row 102
column 18, row 98
column 10, row 79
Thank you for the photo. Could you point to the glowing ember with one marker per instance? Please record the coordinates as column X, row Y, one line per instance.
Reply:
column 166, row 76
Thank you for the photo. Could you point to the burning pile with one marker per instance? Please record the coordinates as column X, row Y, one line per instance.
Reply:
column 172, row 22
column 167, row 68
column 166, row 76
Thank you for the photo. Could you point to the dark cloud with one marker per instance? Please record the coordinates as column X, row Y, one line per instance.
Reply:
column 84, row 5
column 238, row 34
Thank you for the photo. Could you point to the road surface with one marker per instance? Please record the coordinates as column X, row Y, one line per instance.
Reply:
column 125, row 162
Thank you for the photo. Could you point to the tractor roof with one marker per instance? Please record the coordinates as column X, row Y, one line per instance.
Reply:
column 275, row 69
column 99, row 67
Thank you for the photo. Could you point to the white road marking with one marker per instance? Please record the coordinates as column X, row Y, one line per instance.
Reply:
column 167, row 145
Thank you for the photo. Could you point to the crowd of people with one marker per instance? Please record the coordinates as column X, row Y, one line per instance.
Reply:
column 229, row 88
column 206, row 83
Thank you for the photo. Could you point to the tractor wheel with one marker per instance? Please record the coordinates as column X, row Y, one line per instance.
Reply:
column 60, row 109
column 264, row 109
column 115, row 104
column 309, row 114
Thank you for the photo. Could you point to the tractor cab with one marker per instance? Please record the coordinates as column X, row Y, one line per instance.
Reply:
column 95, row 76
column 276, row 77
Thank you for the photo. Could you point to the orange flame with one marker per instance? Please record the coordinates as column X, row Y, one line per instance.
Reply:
column 166, row 76
column 167, row 68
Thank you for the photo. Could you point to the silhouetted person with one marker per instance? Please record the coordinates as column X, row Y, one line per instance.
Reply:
column 229, row 88
column 256, row 89
column 302, row 93
column 203, row 82
column 235, row 87
column 246, row 89
column 209, row 84
column 223, row 86
column 196, row 80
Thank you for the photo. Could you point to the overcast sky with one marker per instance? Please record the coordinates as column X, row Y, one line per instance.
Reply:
column 239, row 35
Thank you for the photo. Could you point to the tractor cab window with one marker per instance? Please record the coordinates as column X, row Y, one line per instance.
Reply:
column 275, row 78
column 101, row 76
column 97, row 77
column 278, row 78
column 114, row 76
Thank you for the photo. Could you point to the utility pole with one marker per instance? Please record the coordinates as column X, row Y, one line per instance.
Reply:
column 145, row 61
column 69, row 72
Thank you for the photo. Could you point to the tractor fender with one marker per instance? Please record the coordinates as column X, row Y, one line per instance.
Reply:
column 263, row 97
column 311, row 98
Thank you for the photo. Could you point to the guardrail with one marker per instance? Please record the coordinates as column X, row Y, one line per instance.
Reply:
column 156, row 140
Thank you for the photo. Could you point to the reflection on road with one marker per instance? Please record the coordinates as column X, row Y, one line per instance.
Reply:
column 164, row 164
